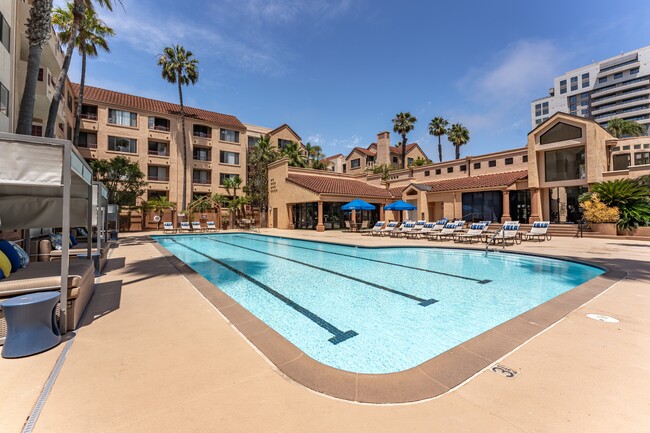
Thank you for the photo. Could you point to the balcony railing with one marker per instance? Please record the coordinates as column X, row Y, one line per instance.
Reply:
column 202, row 181
column 87, row 145
column 202, row 158
column 88, row 116
column 158, row 153
column 201, row 134
column 159, row 128
column 159, row 178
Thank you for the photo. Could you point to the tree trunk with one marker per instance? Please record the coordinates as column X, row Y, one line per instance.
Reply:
column 457, row 151
column 60, row 87
column 26, row 113
column 80, row 100
column 403, row 150
column 180, row 96
column 439, row 149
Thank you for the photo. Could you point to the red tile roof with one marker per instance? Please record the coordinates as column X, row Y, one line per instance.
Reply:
column 474, row 182
column 398, row 150
column 337, row 185
column 329, row 158
column 110, row 97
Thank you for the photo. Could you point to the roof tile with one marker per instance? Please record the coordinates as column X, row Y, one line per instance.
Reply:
column 336, row 185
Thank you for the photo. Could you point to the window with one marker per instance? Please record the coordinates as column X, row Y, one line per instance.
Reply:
column 634, row 71
column 87, row 139
column 560, row 132
column 427, row 173
column 151, row 195
column 574, row 83
column 642, row 158
column 40, row 74
column 545, row 108
column 463, row 167
column 201, row 154
column 492, row 163
column 477, row 165
column 508, row 161
column 5, row 33
column 585, row 80
column 122, row 144
column 619, row 75
column 538, row 121
column 224, row 176
column 538, row 110
column 228, row 157
column 395, row 160
column 158, row 123
column 202, row 131
column 573, row 99
column 409, row 161
column 602, row 80
column 69, row 133
column 355, row 163
column 345, row 168
column 89, row 112
column 573, row 107
column 37, row 130
column 483, row 206
column 562, row 86
column 524, row 158
column 584, row 102
column 69, row 102
column 158, row 148
column 283, row 143
column 252, row 142
column 565, row 164
column 621, row 161
column 158, row 173
column 229, row 135
column 450, row 169
column 4, row 100
column 438, row 170
column 124, row 118
column 201, row 176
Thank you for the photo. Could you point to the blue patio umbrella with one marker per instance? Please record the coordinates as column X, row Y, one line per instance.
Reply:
column 400, row 205
column 358, row 204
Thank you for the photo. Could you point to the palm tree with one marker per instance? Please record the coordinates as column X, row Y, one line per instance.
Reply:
column 458, row 135
column 79, row 12
column 313, row 152
column 160, row 205
column 260, row 156
column 403, row 123
column 232, row 183
column 294, row 154
column 438, row 127
column 38, row 32
column 624, row 128
column 180, row 67
column 630, row 196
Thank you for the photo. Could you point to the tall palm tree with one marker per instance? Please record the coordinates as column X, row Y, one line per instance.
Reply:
column 403, row 123
column 38, row 32
column 438, row 127
column 458, row 135
column 180, row 67
column 313, row 151
column 294, row 154
column 624, row 128
column 232, row 183
column 79, row 12
column 260, row 156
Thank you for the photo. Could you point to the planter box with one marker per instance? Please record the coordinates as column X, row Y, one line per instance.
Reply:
column 639, row 232
column 608, row 229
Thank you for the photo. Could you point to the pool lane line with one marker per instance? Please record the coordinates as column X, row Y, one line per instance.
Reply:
column 422, row 302
column 339, row 336
column 372, row 260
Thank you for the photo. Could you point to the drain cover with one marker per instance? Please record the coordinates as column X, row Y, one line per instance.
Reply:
column 602, row 318
column 504, row 371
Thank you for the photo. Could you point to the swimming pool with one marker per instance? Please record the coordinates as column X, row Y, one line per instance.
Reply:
column 374, row 310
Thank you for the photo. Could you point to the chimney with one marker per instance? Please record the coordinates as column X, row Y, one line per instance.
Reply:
column 383, row 148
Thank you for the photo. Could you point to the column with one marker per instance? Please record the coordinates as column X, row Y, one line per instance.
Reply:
column 290, row 226
column 535, row 208
column 505, row 216
column 320, row 227
column 381, row 212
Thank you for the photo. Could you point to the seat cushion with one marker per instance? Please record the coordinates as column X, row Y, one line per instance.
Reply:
column 47, row 276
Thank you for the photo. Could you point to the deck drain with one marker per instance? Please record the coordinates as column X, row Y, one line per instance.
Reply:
column 602, row 318
column 504, row 371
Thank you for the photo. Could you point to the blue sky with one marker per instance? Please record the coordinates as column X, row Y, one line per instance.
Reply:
column 338, row 71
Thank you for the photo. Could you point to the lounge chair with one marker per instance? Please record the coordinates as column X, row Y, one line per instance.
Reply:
column 168, row 227
column 446, row 233
column 426, row 228
column 196, row 226
column 403, row 229
column 211, row 227
column 439, row 225
column 347, row 226
column 185, row 227
column 390, row 227
column 539, row 231
column 509, row 232
column 418, row 226
column 475, row 232
column 375, row 229
column 460, row 224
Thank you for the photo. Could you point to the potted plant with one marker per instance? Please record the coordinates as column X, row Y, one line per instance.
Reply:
column 601, row 217
column 225, row 220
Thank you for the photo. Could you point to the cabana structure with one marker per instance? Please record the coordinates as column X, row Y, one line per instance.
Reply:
column 45, row 183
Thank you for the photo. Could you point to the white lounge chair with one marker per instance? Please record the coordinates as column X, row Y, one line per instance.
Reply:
column 406, row 227
column 475, row 232
column 509, row 232
column 390, row 227
column 460, row 224
column 439, row 225
column 417, row 227
column 168, row 227
column 211, row 226
column 185, row 227
column 196, row 226
column 426, row 228
column 446, row 233
column 539, row 231
column 375, row 229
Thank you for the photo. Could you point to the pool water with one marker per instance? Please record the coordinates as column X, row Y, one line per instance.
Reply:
column 374, row 310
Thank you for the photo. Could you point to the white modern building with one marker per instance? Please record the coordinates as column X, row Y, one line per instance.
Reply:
column 614, row 87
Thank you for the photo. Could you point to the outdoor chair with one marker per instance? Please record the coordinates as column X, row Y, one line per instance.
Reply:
column 475, row 232
column 185, row 227
column 196, row 226
column 419, row 224
column 390, row 227
column 446, row 233
column 347, row 226
column 460, row 224
column 509, row 233
column 406, row 227
column 211, row 227
column 439, row 225
column 422, row 232
column 168, row 227
column 539, row 231
column 375, row 229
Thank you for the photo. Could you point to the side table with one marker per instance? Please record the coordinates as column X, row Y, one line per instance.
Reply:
column 31, row 324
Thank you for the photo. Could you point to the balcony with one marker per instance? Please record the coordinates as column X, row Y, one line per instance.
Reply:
column 158, row 178
column 639, row 82
column 618, row 97
column 620, row 105
column 202, row 165
column 158, row 153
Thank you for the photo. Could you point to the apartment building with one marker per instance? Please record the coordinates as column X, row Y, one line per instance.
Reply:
column 7, row 63
column 361, row 159
column 611, row 88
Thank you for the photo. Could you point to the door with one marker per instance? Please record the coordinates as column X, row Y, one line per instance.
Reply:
column 275, row 217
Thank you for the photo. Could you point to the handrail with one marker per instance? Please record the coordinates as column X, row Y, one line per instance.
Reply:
column 503, row 240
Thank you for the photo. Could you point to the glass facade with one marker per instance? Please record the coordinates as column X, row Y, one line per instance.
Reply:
column 565, row 164
column 563, row 204
column 483, row 206
column 305, row 216
column 124, row 118
column 520, row 206
column 621, row 162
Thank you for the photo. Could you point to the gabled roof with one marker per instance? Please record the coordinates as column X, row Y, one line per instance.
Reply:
column 329, row 158
column 371, row 150
column 474, row 182
column 284, row 125
column 109, row 97
column 409, row 147
column 338, row 186
column 573, row 116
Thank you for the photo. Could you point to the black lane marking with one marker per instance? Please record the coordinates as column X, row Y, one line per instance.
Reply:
column 422, row 302
column 372, row 260
column 339, row 336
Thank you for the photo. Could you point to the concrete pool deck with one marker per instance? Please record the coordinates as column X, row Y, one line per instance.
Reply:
column 154, row 355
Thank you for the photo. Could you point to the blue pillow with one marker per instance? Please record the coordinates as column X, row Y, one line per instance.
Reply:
column 11, row 254
column 56, row 240
column 24, row 257
column 81, row 231
column 73, row 240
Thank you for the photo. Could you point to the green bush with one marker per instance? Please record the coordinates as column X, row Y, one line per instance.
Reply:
column 631, row 197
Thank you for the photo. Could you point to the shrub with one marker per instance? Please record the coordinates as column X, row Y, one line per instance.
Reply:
column 595, row 211
column 631, row 197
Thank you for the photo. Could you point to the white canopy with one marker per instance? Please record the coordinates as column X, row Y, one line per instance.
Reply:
column 44, row 182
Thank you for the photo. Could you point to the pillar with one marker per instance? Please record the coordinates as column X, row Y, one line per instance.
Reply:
column 320, row 227
column 505, row 216
column 381, row 212
column 535, row 206
column 290, row 212
column 354, row 216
